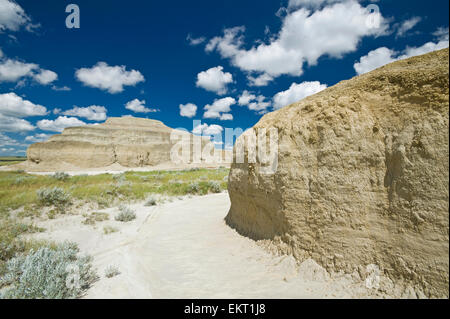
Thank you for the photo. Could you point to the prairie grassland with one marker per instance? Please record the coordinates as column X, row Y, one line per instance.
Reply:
column 10, row 160
column 18, row 189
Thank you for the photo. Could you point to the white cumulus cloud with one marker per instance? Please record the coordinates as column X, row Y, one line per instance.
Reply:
column 138, row 106
column 296, row 92
column 374, row 59
column 382, row 56
column 6, row 140
column 92, row 113
column 108, row 78
column 37, row 138
column 219, row 109
column 214, row 80
column 188, row 110
column 205, row 129
column 253, row 102
column 13, row 124
column 45, row 77
column 13, row 17
column 59, row 124
column 15, row 70
column 13, row 105
column 305, row 36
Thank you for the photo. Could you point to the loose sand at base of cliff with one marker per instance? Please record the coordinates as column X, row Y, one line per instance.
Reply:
column 184, row 249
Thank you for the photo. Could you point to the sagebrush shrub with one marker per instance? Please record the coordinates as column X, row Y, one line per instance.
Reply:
column 151, row 201
column 48, row 273
column 109, row 230
column 214, row 187
column 20, row 180
column 61, row 176
column 111, row 271
column 193, row 188
column 53, row 196
column 126, row 214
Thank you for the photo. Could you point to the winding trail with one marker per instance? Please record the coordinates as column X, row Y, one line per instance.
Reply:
column 184, row 249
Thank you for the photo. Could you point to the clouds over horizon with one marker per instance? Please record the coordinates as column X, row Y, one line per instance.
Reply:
column 138, row 106
column 13, row 109
column 296, row 92
column 91, row 113
column 382, row 56
column 59, row 124
column 109, row 78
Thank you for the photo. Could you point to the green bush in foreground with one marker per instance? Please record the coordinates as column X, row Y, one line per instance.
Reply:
column 53, row 196
column 48, row 273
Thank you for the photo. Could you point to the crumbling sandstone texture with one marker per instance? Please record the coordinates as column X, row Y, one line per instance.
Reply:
column 128, row 141
column 362, row 178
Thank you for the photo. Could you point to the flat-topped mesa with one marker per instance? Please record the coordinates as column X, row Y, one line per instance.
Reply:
column 128, row 141
column 361, row 178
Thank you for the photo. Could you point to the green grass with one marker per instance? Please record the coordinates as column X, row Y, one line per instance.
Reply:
column 10, row 160
column 18, row 189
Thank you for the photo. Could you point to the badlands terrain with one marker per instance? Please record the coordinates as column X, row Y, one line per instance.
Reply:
column 356, row 208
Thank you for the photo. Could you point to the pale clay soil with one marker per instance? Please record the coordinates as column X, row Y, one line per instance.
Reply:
column 184, row 249
column 116, row 168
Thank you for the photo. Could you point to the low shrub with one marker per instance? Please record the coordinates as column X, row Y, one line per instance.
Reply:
column 109, row 230
column 111, row 271
column 151, row 201
column 61, row 176
column 95, row 217
column 214, row 187
column 48, row 273
column 193, row 188
column 53, row 196
column 126, row 214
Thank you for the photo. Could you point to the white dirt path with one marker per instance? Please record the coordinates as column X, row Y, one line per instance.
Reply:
column 184, row 249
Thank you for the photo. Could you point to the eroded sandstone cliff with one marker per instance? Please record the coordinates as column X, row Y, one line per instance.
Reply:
column 128, row 141
column 362, row 176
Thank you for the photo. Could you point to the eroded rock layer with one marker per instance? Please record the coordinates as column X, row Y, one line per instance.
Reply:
column 362, row 176
column 128, row 141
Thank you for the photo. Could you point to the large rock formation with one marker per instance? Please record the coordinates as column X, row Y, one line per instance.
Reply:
column 362, row 176
column 127, row 141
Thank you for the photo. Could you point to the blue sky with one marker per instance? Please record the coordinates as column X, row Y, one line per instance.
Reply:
column 233, row 60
